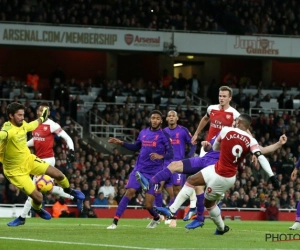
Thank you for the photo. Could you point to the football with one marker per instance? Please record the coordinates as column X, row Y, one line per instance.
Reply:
column 44, row 183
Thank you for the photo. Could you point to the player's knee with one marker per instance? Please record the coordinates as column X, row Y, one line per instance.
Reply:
column 174, row 166
column 37, row 197
column 130, row 193
column 148, row 205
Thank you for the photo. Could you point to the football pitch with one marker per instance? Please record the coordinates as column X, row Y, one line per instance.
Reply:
column 73, row 234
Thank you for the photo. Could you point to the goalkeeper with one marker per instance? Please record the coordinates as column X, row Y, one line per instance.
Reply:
column 19, row 163
column 42, row 141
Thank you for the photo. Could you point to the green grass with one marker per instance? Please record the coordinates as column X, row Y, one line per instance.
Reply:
column 73, row 234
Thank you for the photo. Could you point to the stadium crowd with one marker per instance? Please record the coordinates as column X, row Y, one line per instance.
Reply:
column 238, row 17
column 102, row 178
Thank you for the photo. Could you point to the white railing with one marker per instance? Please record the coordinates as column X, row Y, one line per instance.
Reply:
column 253, row 112
column 118, row 131
column 78, row 128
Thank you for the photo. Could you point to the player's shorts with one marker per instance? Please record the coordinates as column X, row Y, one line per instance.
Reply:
column 133, row 183
column 50, row 160
column 195, row 164
column 21, row 175
column 216, row 185
column 177, row 179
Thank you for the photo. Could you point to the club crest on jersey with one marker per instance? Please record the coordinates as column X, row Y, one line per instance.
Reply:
column 228, row 117
column 45, row 128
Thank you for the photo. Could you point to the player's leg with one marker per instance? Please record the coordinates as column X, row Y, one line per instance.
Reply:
column 56, row 189
column 41, row 167
column 188, row 189
column 131, row 188
column 199, row 220
column 216, row 185
column 189, row 166
column 296, row 225
column 149, row 201
column 25, row 184
column 24, row 213
column 166, row 173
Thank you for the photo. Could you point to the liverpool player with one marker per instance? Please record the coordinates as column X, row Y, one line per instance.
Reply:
column 155, row 146
column 43, row 141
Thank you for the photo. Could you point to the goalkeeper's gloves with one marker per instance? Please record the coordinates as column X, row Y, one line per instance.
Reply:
column 44, row 115
column 275, row 182
column 71, row 155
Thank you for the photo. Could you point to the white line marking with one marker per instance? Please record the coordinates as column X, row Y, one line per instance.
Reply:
column 125, row 247
column 92, row 244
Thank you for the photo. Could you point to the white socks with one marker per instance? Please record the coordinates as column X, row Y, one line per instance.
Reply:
column 215, row 215
column 60, row 192
column 26, row 208
column 193, row 199
column 182, row 196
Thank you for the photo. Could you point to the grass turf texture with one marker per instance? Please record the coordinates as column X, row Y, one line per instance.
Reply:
column 73, row 234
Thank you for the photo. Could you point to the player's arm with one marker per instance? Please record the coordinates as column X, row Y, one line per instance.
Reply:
column 169, row 153
column 269, row 149
column 67, row 138
column 3, row 135
column 188, row 140
column 206, row 145
column 34, row 124
column 264, row 163
column 217, row 143
column 69, row 141
column 202, row 124
column 295, row 171
column 133, row 147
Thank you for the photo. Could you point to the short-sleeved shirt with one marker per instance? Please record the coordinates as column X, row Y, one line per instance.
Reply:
column 235, row 145
column 43, row 138
column 220, row 118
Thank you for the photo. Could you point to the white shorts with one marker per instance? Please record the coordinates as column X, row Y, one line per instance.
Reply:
column 202, row 152
column 50, row 161
column 216, row 185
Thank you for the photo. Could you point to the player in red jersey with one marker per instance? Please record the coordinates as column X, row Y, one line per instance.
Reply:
column 234, row 144
column 219, row 115
column 43, row 141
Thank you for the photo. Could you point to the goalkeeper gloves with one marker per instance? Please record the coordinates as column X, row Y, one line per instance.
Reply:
column 275, row 182
column 44, row 115
column 71, row 155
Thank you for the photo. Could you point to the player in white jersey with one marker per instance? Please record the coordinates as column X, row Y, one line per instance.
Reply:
column 234, row 144
column 43, row 141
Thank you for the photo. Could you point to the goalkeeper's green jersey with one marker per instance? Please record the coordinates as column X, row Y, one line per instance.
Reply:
column 13, row 145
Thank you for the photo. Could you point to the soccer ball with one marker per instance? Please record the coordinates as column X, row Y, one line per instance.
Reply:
column 44, row 183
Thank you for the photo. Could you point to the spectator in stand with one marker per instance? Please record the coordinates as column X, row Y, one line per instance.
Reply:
column 239, row 98
column 272, row 211
column 284, row 200
column 87, row 211
column 33, row 80
column 101, row 201
column 60, row 209
column 111, row 201
column 195, row 85
column 289, row 104
column 263, row 203
column 107, row 189
column 166, row 79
